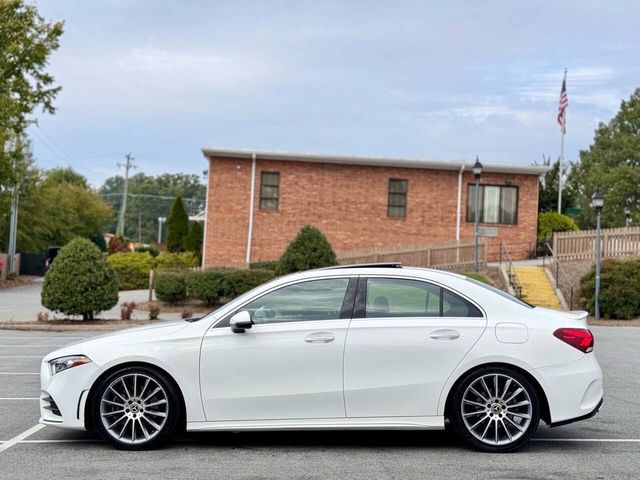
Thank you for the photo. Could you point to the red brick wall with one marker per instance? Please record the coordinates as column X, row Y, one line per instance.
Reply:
column 348, row 204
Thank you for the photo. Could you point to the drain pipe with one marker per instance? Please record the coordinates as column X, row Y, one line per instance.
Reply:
column 251, row 201
column 458, row 212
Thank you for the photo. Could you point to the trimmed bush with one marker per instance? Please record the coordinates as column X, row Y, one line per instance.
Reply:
column 152, row 249
column 619, row 289
column 310, row 249
column 213, row 285
column 177, row 226
column 169, row 260
column 80, row 281
column 265, row 265
column 549, row 222
column 171, row 287
column 132, row 269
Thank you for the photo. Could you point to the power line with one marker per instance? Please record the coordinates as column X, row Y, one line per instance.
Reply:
column 123, row 209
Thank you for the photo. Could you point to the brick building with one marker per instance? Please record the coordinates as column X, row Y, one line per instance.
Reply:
column 359, row 203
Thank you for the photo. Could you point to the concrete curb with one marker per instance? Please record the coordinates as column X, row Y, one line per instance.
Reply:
column 102, row 327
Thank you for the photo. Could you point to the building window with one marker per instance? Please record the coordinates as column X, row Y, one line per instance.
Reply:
column 397, row 207
column 269, row 190
column 498, row 204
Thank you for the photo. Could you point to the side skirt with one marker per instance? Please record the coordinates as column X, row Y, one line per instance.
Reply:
column 372, row 423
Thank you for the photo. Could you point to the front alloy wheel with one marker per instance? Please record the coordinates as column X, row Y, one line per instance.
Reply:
column 135, row 408
column 495, row 409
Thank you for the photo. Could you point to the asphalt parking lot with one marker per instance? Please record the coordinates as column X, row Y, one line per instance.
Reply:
column 605, row 447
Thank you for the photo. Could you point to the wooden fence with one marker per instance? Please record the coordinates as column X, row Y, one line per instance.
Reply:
column 615, row 242
column 457, row 254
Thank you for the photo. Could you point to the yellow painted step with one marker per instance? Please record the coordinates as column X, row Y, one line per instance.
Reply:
column 536, row 287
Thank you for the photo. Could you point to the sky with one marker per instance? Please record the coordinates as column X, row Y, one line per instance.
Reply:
column 417, row 79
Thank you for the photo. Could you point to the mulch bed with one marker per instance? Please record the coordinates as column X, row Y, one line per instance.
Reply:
column 194, row 306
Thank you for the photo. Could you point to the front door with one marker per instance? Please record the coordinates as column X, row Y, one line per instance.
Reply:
column 289, row 364
column 408, row 338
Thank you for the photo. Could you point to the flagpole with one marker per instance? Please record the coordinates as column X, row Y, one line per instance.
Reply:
column 560, row 167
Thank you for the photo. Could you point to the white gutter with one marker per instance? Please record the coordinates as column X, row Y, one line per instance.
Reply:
column 459, row 204
column 251, row 200
column 206, row 215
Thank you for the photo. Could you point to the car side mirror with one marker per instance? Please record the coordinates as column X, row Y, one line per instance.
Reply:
column 240, row 322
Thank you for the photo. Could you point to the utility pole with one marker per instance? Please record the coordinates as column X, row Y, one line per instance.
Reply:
column 123, row 208
column 13, row 230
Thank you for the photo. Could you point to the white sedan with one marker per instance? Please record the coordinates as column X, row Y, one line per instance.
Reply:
column 362, row 347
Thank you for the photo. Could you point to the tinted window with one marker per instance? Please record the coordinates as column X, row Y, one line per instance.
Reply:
column 455, row 306
column 269, row 190
column 397, row 205
column 314, row 300
column 388, row 297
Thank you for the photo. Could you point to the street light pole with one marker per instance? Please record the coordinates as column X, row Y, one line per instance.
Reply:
column 627, row 216
column 597, row 201
column 477, row 171
column 161, row 220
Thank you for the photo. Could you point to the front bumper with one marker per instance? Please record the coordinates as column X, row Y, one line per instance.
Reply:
column 574, row 390
column 63, row 395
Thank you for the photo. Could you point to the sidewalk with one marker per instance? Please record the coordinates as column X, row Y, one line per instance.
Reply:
column 22, row 304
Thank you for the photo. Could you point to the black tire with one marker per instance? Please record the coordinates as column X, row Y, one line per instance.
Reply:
column 167, row 397
column 510, row 429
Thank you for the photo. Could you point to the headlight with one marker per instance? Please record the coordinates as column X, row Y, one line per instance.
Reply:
column 58, row 365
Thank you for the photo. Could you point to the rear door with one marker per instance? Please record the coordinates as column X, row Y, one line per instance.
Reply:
column 405, row 339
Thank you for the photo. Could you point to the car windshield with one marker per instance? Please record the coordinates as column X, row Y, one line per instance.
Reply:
column 502, row 293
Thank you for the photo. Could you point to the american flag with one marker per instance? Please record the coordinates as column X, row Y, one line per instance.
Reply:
column 564, row 103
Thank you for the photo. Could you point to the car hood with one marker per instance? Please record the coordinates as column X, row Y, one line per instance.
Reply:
column 129, row 335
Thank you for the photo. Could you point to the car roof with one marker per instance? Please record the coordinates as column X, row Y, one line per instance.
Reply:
column 394, row 269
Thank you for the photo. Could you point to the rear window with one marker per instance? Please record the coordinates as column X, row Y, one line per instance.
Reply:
column 502, row 293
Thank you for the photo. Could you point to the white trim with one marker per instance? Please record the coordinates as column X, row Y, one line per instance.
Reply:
column 206, row 215
column 373, row 161
column 251, row 201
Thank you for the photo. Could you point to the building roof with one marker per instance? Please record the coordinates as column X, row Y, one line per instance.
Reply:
column 373, row 161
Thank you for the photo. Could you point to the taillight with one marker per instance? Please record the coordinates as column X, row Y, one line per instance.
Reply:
column 580, row 338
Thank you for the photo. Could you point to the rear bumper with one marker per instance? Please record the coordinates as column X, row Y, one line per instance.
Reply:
column 577, row 419
column 574, row 390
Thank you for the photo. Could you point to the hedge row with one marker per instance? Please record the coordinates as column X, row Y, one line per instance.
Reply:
column 132, row 268
column 209, row 286
column 619, row 289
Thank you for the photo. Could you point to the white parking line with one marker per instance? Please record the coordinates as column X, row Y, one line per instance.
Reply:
column 30, row 337
column 19, row 398
column 21, row 356
column 33, row 345
column 18, row 438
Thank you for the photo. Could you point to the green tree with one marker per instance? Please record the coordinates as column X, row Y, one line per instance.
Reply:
column 80, row 281
column 549, row 222
column 26, row 43
column 310, row 249
column 193, row 240
column 548, row 193
column 53, row 212
column 151, row 197
column 612, row 166
column 177, row 226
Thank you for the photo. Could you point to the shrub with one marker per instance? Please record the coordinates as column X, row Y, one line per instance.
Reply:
column 193, row 239
column 126, row 310
column 310, row 249
column 186, row 313
column 619, row 289
column 177, row 226
column 153, row 250
column 169, row 260
column 42, row 317
column 117, row 244
column 80, row 281
column 212, row 285
column 132, row 269
column 154, row 311
column 171, row 287
column 549, row 222
column 100, row 242
column 264, row 265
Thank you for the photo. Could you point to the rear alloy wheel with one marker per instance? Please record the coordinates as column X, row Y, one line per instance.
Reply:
column 495, row 409
column 135, row 408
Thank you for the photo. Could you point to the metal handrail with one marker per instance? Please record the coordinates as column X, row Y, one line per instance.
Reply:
column 512, row 275
column 556, row 274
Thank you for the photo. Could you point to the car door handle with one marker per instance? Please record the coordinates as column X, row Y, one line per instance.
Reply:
column 319, row 337
column 445, row 334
